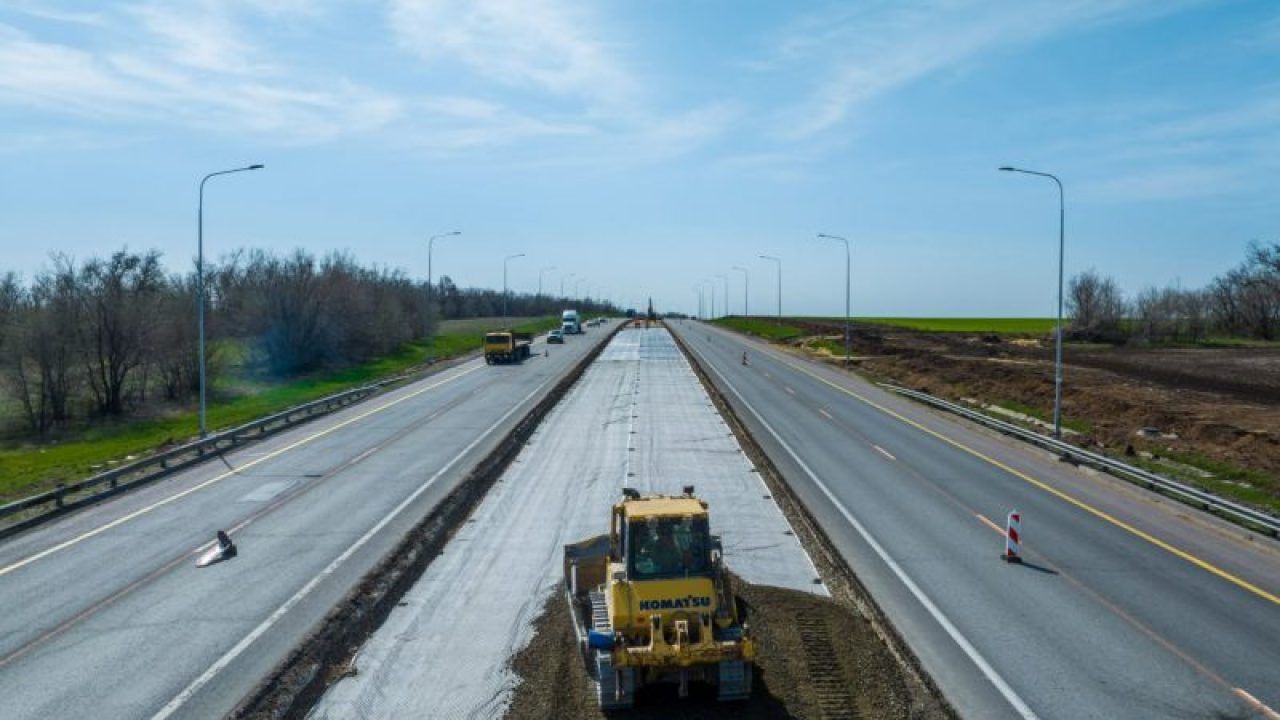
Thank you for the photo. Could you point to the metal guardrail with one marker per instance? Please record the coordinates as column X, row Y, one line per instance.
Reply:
column 1254, row 519
column 67, row 497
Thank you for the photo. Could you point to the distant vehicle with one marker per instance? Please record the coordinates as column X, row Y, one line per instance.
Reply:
column 507, row 346
column 569, row 322
column 555, row 336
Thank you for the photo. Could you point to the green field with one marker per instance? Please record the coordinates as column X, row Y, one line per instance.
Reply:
column 760, row 328
column 28, row 469
column 1000, row 326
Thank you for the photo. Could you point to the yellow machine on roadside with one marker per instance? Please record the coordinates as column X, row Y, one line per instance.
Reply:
column 652, row 602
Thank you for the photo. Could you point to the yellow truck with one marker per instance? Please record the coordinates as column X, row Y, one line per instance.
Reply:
column 507, row 346
column 652, row 602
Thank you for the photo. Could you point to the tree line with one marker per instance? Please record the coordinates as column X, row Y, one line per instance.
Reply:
column 106, row 337
column 1243, row 302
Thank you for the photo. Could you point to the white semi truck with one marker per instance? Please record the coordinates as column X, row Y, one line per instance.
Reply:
column 570, row 323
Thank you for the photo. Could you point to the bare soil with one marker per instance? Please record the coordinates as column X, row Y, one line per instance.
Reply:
column 817, row 659
column 1219, row 404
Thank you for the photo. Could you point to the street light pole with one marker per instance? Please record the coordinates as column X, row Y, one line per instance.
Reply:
column 431, row 241
column 562, row 279
column 779, row 262
column 712, row 294
column 725, row 280
column 506, row 260
column 746, row 284
column 204, row 428
column 1062, row 242
column 847, row 264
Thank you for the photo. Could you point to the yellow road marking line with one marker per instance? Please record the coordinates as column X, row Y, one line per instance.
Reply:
column 160, row 503
column 1257, row 705
column 1179, row 552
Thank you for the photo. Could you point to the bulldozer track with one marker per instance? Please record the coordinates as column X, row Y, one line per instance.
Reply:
column 825, row 675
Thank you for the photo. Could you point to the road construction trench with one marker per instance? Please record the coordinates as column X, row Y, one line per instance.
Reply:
column 639, row 418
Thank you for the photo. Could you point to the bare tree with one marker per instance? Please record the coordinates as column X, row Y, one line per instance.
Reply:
column 1096, row 307
column 120, row 299
column 175, row 343
column 39, row 350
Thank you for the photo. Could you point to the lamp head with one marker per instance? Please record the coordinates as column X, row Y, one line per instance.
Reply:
column 1007, row 168
column 256, row 167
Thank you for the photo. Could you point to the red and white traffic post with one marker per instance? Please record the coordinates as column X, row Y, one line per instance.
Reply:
column 1013, row 538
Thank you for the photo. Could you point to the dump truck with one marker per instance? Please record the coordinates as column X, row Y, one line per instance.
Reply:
column 507, row 346
column 652, row 602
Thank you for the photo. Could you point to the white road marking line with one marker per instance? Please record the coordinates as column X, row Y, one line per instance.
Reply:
column 789, row 390
column 884, row 452
column 161, row 503
column 1257, row 704
column 825, row 414
column 1010, row 696
column 363, row 455
column 987, row 521
column 187, row 693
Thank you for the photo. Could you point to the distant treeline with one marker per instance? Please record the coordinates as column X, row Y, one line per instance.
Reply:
column 106, row 336
column 1244, row 302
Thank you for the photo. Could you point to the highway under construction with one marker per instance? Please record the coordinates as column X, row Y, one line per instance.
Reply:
column 638, row 418
column 405, row 557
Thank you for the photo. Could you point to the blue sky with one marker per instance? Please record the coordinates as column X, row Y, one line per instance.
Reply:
column 646, row 146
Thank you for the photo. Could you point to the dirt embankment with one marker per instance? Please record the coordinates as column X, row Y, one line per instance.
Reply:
column 817, row 659
column 1212, row 405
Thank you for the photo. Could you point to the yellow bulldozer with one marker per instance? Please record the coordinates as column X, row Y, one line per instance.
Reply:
column 653, row 603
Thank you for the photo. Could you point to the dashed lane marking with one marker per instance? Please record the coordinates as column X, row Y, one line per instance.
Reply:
column 1011, row 696
column 218, row 478
column 990, row 524
column 1257, row 704
column 1100, row 514
column 238, row 649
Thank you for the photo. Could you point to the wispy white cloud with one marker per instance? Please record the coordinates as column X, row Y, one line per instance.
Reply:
column 544, row 45
column 54, row 13
column 870, row 49
column 532, row 70
column 199, row 35
column 197, row 68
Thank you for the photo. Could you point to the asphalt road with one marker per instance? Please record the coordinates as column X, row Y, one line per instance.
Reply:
column 638, row 417
column 1129, row 605
column 103, row 614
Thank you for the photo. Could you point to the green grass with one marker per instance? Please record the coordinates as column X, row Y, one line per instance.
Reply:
column 999, row 326
column 25, row 470
column 1250, row 487
column 760, row 328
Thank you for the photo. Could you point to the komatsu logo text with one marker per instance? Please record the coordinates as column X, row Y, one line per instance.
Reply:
column 684, row 603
